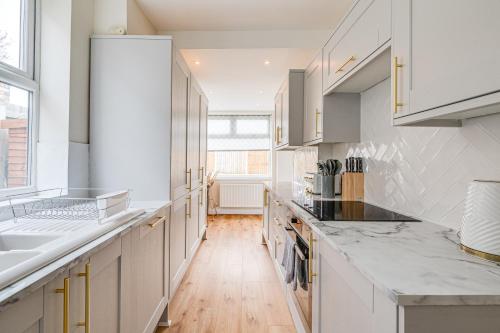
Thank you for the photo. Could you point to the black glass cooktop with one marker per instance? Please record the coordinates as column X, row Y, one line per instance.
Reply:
column 351, row 211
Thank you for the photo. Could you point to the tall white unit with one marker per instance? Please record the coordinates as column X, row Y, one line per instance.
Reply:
column 130, row 114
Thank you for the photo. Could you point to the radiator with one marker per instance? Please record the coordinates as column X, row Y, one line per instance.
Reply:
column 240, row 195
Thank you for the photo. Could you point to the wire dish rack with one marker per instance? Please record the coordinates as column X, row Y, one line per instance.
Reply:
column 65, row 204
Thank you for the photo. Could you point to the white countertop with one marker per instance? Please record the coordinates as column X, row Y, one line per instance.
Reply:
column 413, row 263
column 45, row 272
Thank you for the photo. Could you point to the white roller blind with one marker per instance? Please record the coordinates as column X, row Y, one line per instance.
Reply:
column 239, row 133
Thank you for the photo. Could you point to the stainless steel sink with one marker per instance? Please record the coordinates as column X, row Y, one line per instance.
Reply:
column 9, row 242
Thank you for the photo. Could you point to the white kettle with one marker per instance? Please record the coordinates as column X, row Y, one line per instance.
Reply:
column 480, row 231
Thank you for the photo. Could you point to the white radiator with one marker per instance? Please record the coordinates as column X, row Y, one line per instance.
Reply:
column 241, row 195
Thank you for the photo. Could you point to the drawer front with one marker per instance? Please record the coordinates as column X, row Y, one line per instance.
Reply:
column 370, row 29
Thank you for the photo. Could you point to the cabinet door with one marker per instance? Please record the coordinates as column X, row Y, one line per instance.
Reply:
column 265, row 215
column 313, row 100
column 194, row 135
column 54, row 304
column 177, row 243
column 285, row 114
column 180, row 91
column 203, row 139
column 192, row 224
column 454, row 54
column 149, row 247
column 314, row 277
column 25, row 316
column 278, row 107
column 202, row 219
column 105, row 293
column 79, row 308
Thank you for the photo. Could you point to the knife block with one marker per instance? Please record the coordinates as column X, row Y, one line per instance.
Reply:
column 353, row 186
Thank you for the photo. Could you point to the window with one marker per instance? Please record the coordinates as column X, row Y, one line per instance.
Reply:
column 18, row 88
column 239, row 145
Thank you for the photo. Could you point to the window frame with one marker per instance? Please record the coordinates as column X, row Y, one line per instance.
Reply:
column 233, row 117
column 28, row 80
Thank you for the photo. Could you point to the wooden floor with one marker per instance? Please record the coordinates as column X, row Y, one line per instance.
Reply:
column 231, row 285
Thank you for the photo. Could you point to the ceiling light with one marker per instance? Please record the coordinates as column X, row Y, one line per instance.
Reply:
column 267, row 62
column 196, row 62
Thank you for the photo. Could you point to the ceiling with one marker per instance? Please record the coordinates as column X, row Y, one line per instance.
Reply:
column 173, row 15
column 239, row 79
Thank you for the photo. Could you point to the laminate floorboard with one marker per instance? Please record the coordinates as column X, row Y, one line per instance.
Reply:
column 231, row 285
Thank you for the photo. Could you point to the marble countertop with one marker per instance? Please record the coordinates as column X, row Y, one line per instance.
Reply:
column 35, row 280
column 412, row 263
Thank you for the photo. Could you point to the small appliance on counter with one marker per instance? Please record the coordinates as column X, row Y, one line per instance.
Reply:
column 328, row 172
column 480, row 231
column 353, row 180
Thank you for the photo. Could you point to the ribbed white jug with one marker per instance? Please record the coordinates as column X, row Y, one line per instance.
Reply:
column 480, row 232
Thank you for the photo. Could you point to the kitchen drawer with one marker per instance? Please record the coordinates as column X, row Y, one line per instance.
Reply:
column 365, row 29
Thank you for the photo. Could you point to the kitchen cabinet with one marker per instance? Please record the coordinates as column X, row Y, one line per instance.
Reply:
column 180, row 93
column 328, row 119
column 265, row 216
column 55, row 304
column 177, row 243
column 192, row 223
column 203, row 213
column 445, row 61
column 25, row 316
column 289, row 111
column 203, row 139
column 193, row 135
column 365, row 29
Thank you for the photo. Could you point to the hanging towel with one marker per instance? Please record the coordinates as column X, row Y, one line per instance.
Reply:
column 288, row 261
column 300, row 273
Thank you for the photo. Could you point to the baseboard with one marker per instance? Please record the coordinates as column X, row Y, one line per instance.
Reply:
column 236, row 211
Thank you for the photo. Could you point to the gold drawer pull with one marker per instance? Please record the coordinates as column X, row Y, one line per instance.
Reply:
column 188, row 175
column 341, row 68
column 201, row 197
column 318, row 114
column 202, row 171
column 265, row 198
column 65, row 292
column 397, row 66
column 86, row 275
column 158, row 221
column 188, row 210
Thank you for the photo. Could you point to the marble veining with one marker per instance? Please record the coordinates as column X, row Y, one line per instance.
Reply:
column 412, row 263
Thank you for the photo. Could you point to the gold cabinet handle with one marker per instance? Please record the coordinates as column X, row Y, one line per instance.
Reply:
column 188, row 210
column 188, row 174
column 310, row 259
column 341, row 68
column 265, row 198
column 65, row 292
column 86, row 275
column 153, row 225
column 202, row 174
column 201, row 198
column 278, row 135
column 318, row 114
column 397, row 66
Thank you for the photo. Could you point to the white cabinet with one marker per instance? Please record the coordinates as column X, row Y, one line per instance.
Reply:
column 328, row 119
column 265, row 215
column 344, row 301
column 448, row 60
column 25, row 316
column 203, row 139
column 55, row 304
column 180, row 93
column 192, row 224
column 289, row 111
column 177, row 243
column 193, row 135
column 202, row 218
column 365, row 29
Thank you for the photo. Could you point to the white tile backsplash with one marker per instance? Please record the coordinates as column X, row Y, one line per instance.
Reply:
column 421, row 171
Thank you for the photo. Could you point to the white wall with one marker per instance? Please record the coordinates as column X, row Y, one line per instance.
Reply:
column 423, row 172
column 111, row 14
column 137, row 22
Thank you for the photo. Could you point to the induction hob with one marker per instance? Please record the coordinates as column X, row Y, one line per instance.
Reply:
column 351, row 211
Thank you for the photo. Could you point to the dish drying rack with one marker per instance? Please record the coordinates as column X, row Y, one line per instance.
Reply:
column 85, row 204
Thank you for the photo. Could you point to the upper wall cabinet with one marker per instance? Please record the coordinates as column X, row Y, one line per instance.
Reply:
column 362, row 36
column 446, row 60
column 339, row 113
column 289, row 111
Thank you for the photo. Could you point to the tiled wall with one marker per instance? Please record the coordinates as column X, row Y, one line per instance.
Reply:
column 423, row 172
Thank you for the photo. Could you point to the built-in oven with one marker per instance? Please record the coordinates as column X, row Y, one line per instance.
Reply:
column 301, row 235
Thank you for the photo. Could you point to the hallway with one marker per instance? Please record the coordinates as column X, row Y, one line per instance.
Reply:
column 231, row 285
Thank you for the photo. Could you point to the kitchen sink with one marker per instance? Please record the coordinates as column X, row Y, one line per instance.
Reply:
column 11, row 259
column 9, row 242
